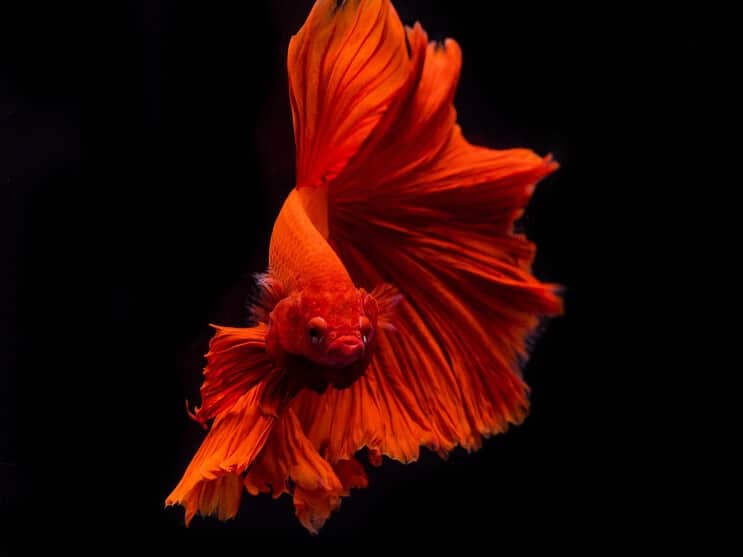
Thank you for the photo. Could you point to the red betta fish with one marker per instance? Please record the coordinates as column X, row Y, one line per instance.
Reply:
column 398, row 299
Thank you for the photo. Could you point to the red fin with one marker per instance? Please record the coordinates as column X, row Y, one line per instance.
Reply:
column 290, row 464
column 379, row 411
column 424, row 210
column 236, row 362
column 212, row 483
column 345, row 66
column 270, row 293
column 387, row 297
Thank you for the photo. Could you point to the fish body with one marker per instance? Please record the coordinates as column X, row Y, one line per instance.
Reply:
column 322, row 331
column 398, row 299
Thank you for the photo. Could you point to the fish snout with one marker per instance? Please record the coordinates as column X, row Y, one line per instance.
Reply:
column 345, row 350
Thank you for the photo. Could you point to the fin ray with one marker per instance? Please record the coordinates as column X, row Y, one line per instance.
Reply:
column 419, row 207
column 345, row 66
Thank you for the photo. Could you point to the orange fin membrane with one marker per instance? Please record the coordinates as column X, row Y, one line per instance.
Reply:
column 270, row 293
column 291, row 464
column 420, row 208
column 236, row 362
column 241, row 393
column 388, row 298
column 346, row 65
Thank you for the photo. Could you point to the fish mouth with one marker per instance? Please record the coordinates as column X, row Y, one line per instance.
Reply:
column 344, row 351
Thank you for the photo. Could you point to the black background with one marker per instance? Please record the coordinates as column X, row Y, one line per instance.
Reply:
column 145, row 151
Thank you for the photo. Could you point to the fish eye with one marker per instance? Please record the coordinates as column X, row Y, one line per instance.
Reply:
column 366, row 328
column 316, row 329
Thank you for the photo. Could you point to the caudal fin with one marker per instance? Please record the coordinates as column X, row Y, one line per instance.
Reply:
column 346, row 65
column 417, row 206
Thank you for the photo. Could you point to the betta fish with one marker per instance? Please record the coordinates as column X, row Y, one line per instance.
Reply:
column 398, row 301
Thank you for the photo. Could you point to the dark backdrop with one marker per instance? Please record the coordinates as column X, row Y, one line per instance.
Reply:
column 145, row 151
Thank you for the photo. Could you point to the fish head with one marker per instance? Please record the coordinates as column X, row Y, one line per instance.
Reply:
column 338, row 326
column 326, row 335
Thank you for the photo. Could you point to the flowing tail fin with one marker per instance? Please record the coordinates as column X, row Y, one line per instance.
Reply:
column 419, row 207
column 346, row 65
